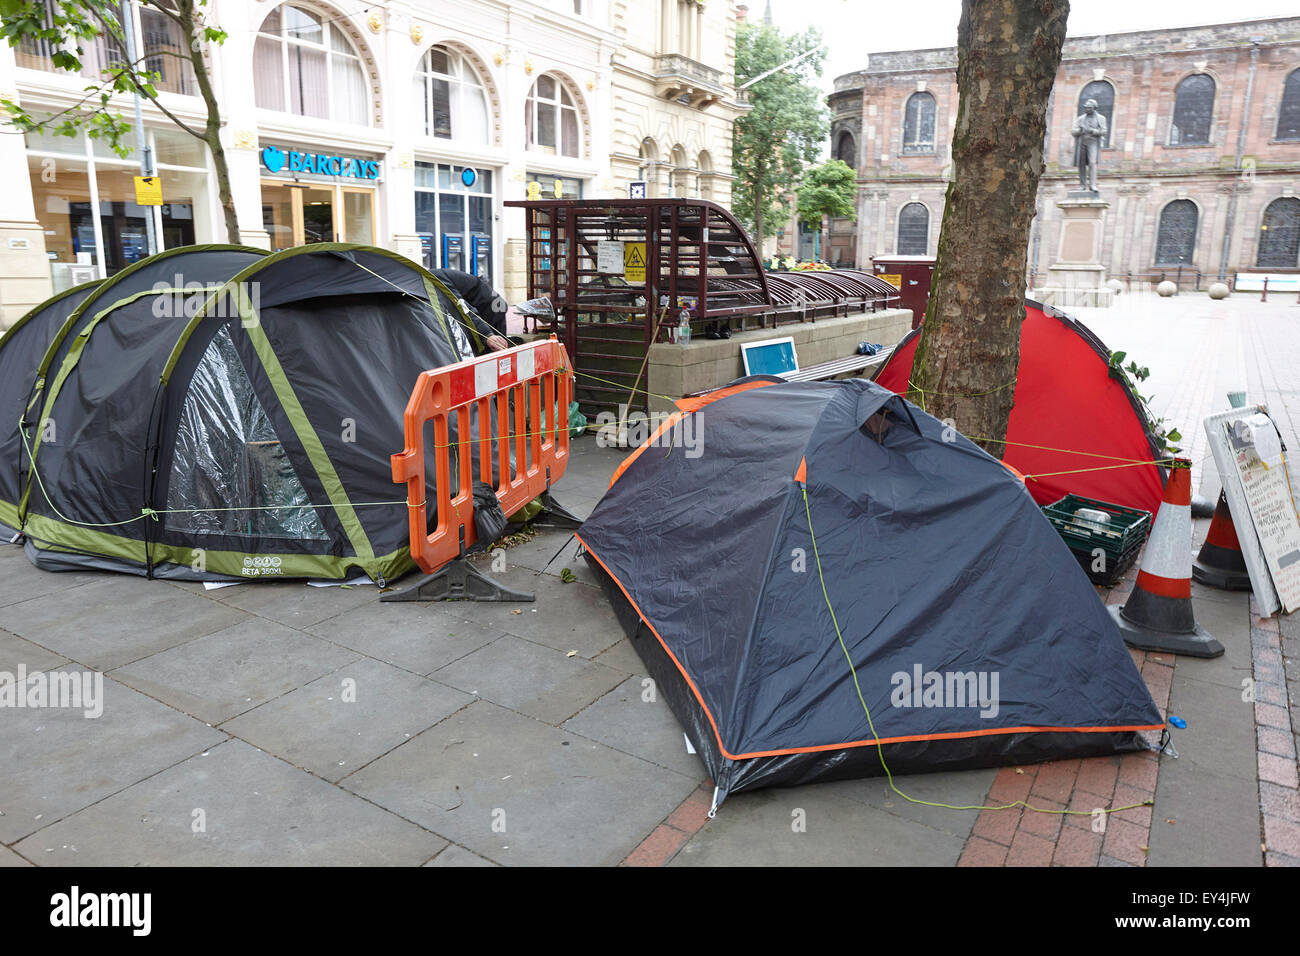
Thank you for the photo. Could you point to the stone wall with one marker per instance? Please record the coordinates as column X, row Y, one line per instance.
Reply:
column 677, row 370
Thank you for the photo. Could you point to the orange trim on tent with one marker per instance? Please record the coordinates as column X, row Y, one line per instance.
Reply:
column 696, row 402
column 855, row 743
column 623, row 466
column 685, row 407
column 1014, row 472
column 801, row 475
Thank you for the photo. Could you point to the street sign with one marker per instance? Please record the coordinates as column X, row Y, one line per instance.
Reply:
column 634, row 262
column 148, row 191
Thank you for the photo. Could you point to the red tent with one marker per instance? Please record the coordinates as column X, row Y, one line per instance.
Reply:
column 1078, row 411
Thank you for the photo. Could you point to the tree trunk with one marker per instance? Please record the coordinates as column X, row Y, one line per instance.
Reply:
column 212, row 128
column 966, row 361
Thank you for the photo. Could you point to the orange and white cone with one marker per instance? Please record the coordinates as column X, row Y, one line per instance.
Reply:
column 1220, row 562
column 1158, row 615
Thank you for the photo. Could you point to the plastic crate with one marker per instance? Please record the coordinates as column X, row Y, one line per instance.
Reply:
column 1121, row 539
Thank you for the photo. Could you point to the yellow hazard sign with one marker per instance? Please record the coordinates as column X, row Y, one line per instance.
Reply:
column 895, row 280
column 634, row 262
column 148, row 191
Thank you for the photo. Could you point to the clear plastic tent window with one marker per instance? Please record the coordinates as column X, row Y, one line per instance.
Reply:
column 230, row 474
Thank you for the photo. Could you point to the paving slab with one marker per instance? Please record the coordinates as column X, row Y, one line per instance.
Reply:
column 566, row 617
column 296, row 603
column 234, row 670
column 537, row 553
column 14, row 651
column 116, row 619
column 416, row 637
column 622, row 657
column 458, row 856
column 562, row 800
column 534, row 680
column 1211, row 789
column 959, row 788
column 255, row 811
column 625, row 720
column 758, row 828
column 57, row 761
column 21, row 581
column 9, row 858
column 317, row 727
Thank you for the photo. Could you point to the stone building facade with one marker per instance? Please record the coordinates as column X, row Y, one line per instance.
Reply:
column 1201, row 170
column 407, row 124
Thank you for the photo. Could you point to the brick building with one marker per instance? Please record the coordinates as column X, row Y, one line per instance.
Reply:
column 1201, row 170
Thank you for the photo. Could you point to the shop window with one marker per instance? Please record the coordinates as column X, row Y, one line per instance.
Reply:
column 305, row 64
column 1193, row 111
column 913, row 230
column 1104, row 94
column 1176, row 235
column 1288, row 113
column 551, row 118
column 918, row 124
column 161, row 46
column 453, row 102
column 1279, row 235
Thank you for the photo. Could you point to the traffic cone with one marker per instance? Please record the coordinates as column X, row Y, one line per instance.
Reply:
column 1220, row 562
column 1158, row 615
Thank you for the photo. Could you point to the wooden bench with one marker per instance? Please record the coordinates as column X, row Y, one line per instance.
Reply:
column 853, row 365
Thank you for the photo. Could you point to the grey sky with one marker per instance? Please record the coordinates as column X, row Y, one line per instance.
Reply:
column 856, row 28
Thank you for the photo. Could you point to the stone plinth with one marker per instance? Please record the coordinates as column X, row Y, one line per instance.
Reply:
column 1078, row 277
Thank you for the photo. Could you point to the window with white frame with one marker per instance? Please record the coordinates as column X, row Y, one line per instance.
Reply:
column 551, row 118
column 451, row 97
column 304, row 64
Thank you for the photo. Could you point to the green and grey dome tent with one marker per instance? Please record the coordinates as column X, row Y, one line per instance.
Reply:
column 218, row 412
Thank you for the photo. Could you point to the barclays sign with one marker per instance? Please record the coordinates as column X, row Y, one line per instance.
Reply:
column 278, row 160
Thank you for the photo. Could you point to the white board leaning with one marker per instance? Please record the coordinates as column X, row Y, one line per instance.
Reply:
column 1263, row 513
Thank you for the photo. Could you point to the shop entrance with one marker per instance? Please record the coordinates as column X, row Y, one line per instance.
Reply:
column 297, row 214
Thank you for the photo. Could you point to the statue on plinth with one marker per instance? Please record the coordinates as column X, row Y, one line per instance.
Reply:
column 1089, row 132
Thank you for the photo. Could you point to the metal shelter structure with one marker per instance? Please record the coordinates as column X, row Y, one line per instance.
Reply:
column 620, row 273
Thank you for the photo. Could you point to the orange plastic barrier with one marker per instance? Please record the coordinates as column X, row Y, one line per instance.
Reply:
column 539, row 379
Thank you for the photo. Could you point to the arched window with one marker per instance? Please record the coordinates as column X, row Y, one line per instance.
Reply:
column 303, row 63
column 1279, row 235
column 451, row 97
column 846, row 149
column 677, row 175
column 1193, row 110
column 1104, row 94
column 551, row 118
column 1176, row 237
column 918, row 124
column 913, row 230
column 705, row 164
column 1288, row 113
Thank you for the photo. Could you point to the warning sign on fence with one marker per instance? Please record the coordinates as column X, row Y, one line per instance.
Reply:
column 634, row 262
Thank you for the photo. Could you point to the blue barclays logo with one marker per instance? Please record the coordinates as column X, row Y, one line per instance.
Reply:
column 276, row 159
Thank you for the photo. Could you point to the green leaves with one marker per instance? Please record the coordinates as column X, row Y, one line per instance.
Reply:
column 784, row 130
column 828, row 190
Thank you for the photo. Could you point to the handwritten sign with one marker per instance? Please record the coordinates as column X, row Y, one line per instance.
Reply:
column 1260, row 499
column 609, row 257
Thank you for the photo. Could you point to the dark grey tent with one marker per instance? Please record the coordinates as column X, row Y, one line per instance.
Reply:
column 215, row 412
column 935, row 597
